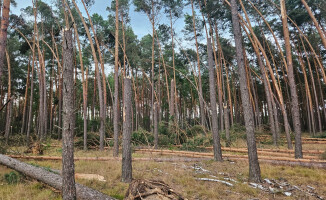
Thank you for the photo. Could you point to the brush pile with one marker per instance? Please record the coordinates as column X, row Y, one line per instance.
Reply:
column 151, row 190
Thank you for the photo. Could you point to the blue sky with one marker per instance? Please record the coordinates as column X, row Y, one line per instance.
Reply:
column 139, row 21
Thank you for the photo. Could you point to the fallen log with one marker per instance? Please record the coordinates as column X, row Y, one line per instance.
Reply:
column 260, row 150
column 52, row 179
column 194, row 154
column 193, row 158
column 177, row 159
column 198, row 155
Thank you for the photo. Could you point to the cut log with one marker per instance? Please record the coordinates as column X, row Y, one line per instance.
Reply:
column 52, row 179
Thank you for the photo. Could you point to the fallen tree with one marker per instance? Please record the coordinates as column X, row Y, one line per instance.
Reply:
column 176, row 159
column 52, row 179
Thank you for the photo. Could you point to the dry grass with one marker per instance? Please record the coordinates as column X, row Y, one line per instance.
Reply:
column 180, row 176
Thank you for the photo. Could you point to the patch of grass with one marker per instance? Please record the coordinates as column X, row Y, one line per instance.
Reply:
column 12, row 178
column 246, row 189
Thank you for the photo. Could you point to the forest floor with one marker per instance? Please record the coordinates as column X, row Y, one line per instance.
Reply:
column 183, row 177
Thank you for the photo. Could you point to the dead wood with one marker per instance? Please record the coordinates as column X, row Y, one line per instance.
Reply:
column 151, row 190
column 52, row 179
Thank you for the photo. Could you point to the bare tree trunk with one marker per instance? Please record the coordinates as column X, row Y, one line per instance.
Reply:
column 26, row 97
column 155, row 125
column 200, row 88
column 102, row 91
column 9, row 105
column 313, row 87
column 68, row 170
column 60, row 105
column 3, row 35
column 254, row 169
column 127, row 129
column 322, row 35
column 267, row 92
column 51, row 98
column 293, row 89
column 212, row 90
column 30, row 110
column 84, row 82
column 172, row 108
column 116, row 84
column 153, row 64
column 98, row 77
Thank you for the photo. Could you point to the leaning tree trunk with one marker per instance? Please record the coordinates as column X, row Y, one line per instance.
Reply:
column 52, row 179
column 102, row 94
column 254, row 169
column 26, row 97
column 215, row 133
column 127, row 128
column 267, row 92
column 200, row 88
column 30, row 109
column 84, row 82
column 322, row 35
column 293, row 88
column 116, row 84
column 3, row 35
column 68, row 170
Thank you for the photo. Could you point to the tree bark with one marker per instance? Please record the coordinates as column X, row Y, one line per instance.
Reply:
column 9, row 105
column 3, row 35
column 127, row 129
column 171, row 108
column 102, row 91
column 212, row 90
column 26, row 97
column 254, row 169
column 293, row 88
column 200, row 89
column 155, row 125
column 68, row 170
column 30, row 110
column 116, row 84
column 267, row 92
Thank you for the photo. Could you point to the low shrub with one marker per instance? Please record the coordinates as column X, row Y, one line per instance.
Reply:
column 93, row 139
column 142, row 137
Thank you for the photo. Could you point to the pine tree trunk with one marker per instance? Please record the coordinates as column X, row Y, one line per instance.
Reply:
column 254, row 169
column 127, row 129
column 156, row 125
column 30, row 109
column 116, row 84
column 9, row 105
column 68, row 171
column 102, row 91
column 267, row 93
column 200, row 89
column 3, row 35
column 152, row 72
column 26, row 97
column 293, row 89
column 212, row 91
